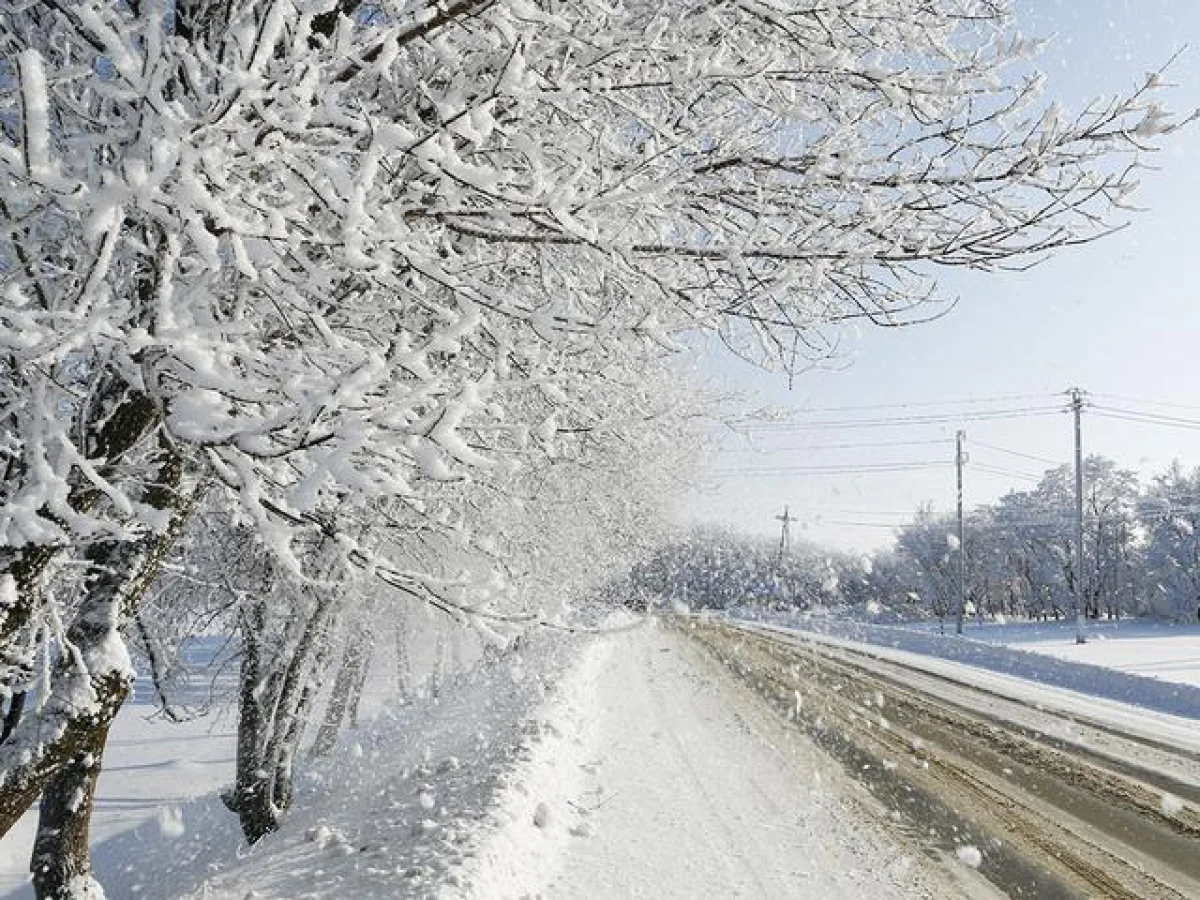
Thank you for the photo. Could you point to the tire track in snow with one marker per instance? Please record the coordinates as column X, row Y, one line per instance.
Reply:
column 1073, row 821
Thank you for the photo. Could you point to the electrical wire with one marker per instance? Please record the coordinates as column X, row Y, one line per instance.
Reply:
column 1000, row 470
column 845, row 523
column 913, row 404
column 868, row 469
column 902, row 421
column 1017, row 453
column 822, row 510
column 850, row 446
column 1054, row 519
column 1143, row 402
column 1133, row 415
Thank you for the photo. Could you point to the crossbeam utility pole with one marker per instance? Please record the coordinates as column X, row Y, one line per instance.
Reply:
column 959, row 459
column 784, row 537
column 1077, row 408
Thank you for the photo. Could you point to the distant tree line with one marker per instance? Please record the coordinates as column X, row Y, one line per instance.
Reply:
column 1141, row 557
column 1141, row 549
column 712, row 568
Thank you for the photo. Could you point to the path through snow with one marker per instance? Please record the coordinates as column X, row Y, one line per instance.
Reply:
column 695, row 789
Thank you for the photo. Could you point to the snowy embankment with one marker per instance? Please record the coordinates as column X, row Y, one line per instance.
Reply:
column 401, row 808
column 405, row 802
column 1162, row 712
column 1163, row 651
column 657, row 775
column 533, row 817
column 1094, row 669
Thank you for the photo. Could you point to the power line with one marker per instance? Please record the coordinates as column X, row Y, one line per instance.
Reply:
column 1062, row 517
column 900, row 421
column 1143, row 402
column 913, row 404
column 1065, row 520
column 993, row 517
column 1000, row 470
column 1018, row 453
column 892, row 526
column 848, row 446
column 821, row 510
column 866, row 469
column 1133, row 415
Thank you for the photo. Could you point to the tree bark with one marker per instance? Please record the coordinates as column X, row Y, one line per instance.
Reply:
column 360, row 680
column 131, row 417
column 403, row 664
column 274, row 699
column 91, row 680
column 251, row 797
column 61, row 862
column 93, row 663
column 437, row 671
column 347, row 687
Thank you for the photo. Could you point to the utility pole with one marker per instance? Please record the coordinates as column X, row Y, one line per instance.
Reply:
column 784, row 535
column 959, row 459
column 1077, row 409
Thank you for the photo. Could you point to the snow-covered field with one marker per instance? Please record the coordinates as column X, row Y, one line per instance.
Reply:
column 393, row 811
column 152, row 769
column 1166, row 651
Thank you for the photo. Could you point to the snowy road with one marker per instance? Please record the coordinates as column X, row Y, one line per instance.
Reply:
column 1061, row 802
column 699, row 790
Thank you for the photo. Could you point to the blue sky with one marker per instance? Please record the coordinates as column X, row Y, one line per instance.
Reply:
column 1120, row 318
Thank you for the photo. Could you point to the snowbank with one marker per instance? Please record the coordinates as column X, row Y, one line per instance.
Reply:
column 525, row 837
column 1092, row 678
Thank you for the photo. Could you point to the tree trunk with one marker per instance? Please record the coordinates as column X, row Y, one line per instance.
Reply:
column 335, row 710
column 251, row 797
column 274, row 699
column 61, row 862
column 347, row 688
column 123, row 426
column 403, row 663
column 29, row 764
column 28, row 773
column 360, row 681
column 94, row 664
column 438, row 669
column 91, row 680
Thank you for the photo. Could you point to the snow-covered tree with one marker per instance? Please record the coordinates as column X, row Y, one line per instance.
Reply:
column 930, row 541
column 1109, row 532
column 1170, row 517
column 1021, row 551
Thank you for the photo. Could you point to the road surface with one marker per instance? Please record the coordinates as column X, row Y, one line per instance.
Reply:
column 1057, row 805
